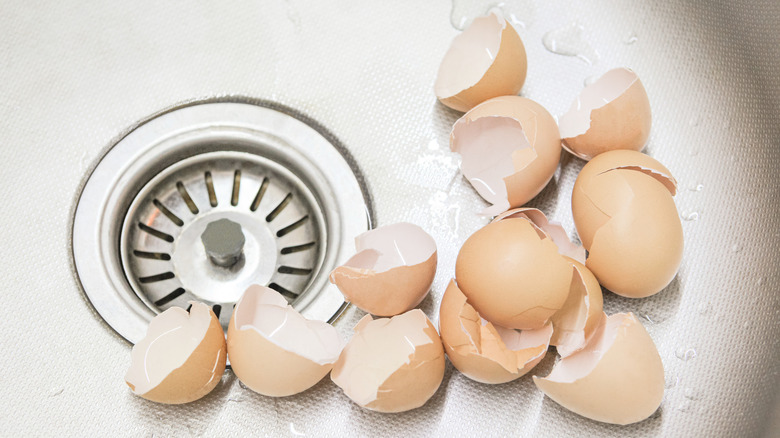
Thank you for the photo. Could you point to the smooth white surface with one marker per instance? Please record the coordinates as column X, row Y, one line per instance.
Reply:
column 74, row 76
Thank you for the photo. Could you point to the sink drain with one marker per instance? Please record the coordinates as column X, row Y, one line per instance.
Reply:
column 201, row 202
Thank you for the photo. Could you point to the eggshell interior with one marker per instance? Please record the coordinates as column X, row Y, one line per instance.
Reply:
column 392, row 271
column 181, row 358
column 486, row 60
column 617, row 378
column 483, row 351
column 510, row 148
column 580, row 315
column 513, row 275
column 612, row 113
column 273, row 349
column 391, row 365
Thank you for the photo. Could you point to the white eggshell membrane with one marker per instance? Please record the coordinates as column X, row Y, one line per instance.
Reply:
column 382, row 348
column 470, row 55
column 267, row 312
column 603, row 91
column 170, row 340
column 488, row 146
column 391, row 246
column 617, row 378
column 551, row 229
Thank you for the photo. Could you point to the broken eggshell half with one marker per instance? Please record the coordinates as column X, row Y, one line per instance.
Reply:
column 617, row 378
column 483, row 351
column 487, row 60
column 181, row 358
column 509, row 147
column 581, row 314
column 611, row 113
column 273, row 349
column 513, row 275
column 626, row 218
column 392, row 271
column 391, row 364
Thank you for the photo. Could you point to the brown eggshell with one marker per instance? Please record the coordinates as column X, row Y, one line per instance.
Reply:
column 552, row 229
column 392, row 271
column 617, row 378
column 510, row 148
column 592, row 127
column 580, row 315
column 391, row 365
column 513, row 275
column 273, row 349
column 181, row 358
column 486, row 60
column 477, row 347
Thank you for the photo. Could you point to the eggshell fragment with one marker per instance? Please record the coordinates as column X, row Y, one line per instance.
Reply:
column 617, row 378
column 273, row 349
column 580, row 315
column 391, row 365
column 513, row 275
column 611, row 113
column 510, row 148
column 483, row 351
column 392, row 271
column 181, row 358
column 627, row 220
column 553, row 229
column 486, row 60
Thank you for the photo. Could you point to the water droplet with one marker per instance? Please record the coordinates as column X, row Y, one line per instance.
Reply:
column 646, row 317
column 694, row 121
column 241, row 385
column 703, row 308
column 631, row 39
column 690, row 393
column 85, row 161
column 684, row 406
column 736, row 248
column 698, row 188
column 685, row 354
column 692, row 216
column 672, row 381
column 568, row 41
column 56, row 392
column 519, row 13
column 591, row 79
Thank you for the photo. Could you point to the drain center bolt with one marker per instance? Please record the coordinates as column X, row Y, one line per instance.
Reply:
column 223, row 241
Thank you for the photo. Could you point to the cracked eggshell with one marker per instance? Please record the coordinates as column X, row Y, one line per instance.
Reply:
column 617, row 378
column 483, row 351
column 611, row 113
column 391, row 364
column 392, row 271
column 181, row 358
column 486, row 60
column 580, row 315
column 513, row 275
column 273, row 349
column 553, row 229
column 510, row 149
column 627, row 220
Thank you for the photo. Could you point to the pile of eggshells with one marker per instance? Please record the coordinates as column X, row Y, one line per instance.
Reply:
column 520, row 284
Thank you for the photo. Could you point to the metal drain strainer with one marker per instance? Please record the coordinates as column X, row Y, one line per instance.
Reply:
column 202, row 201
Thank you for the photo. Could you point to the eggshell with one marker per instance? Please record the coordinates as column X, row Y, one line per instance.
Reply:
column 181, row 358
column 617, row 378
column 553, row 229
column 627, row 220
column 611, row 113
column 391, row 365
column 273, row 349
column 510, row 149
column 392, row 271
column 513, row 275
column 483, row 351
column 486, row 60
column 580, row 315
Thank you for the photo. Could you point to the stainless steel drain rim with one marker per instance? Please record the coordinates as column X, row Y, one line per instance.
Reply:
column 222, row 132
